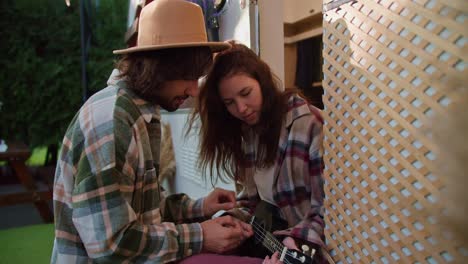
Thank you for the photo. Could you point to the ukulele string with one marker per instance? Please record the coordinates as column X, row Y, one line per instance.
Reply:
column 263, row 234
column 279, row 247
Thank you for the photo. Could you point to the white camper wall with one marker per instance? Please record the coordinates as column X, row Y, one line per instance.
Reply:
column 271, row 35
column 234, row 23
column 188, row 178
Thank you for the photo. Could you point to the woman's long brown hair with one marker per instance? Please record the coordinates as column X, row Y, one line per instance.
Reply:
column 222, row 135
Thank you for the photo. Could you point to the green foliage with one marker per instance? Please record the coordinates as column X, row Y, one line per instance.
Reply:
column 38, row 157
column 40, row 88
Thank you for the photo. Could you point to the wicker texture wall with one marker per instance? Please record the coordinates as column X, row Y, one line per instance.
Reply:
column 388, row 65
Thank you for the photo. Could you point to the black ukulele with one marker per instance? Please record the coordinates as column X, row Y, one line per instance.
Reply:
column 286, row 255
column 263, row 243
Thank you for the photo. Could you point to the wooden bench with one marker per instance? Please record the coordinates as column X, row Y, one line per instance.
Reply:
column 16, row 156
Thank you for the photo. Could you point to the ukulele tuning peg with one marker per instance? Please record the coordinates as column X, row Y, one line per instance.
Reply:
column 305, row 248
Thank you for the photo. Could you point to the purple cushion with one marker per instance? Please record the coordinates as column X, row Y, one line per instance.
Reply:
column 217, row 259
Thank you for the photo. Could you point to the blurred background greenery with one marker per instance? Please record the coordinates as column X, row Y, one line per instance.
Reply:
column 41, row 87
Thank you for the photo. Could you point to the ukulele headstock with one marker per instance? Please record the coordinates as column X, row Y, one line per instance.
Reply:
column 296, row 257
column 306, row 250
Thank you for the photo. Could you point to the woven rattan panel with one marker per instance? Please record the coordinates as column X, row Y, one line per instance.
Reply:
column 386, row 68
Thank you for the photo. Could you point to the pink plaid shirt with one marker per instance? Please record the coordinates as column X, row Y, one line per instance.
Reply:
column 298, row 184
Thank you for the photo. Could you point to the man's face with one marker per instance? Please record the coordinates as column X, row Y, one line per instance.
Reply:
column 173, row 93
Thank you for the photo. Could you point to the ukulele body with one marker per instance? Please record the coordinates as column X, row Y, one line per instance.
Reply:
column 268, row 217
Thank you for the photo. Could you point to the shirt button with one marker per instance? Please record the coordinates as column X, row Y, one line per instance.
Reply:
column 189, row 252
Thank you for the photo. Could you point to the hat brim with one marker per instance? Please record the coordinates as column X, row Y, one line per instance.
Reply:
column 214, row 46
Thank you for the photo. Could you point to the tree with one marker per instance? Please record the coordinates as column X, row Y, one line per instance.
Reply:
column 40, row 88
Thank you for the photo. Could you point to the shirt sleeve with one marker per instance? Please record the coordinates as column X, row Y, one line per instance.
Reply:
column 111, row 232
column 179, row 208
column 312, row 226
column 117, row 214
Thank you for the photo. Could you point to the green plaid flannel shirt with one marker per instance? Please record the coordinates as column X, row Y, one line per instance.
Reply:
column 108, row 204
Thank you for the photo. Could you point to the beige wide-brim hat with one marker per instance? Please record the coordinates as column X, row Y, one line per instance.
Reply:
column 167, row 24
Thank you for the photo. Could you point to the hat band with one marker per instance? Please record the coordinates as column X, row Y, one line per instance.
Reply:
column 185, row 38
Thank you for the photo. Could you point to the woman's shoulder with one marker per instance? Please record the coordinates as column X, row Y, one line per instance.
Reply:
column 298, row 106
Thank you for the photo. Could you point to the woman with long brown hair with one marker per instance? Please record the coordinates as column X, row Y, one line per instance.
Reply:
column 266, row 140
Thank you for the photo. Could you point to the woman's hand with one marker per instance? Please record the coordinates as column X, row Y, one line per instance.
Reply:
column 273, row 260
column 289, row 243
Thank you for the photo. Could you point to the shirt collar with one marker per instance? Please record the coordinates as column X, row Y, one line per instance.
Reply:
column 148, row 110
column 297, row 107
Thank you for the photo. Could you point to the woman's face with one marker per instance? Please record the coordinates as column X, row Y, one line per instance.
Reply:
column 242, row 97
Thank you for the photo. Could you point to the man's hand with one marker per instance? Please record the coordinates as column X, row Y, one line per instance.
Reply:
column 224, row 234
column 218, row 199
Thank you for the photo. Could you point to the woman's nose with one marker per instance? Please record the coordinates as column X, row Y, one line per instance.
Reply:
column 241, row 107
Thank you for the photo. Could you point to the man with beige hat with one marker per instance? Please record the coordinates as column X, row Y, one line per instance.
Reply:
column 108, row 204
